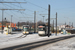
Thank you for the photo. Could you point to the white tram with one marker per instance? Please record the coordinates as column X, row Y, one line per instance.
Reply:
column 42, row 30
column 26, row 29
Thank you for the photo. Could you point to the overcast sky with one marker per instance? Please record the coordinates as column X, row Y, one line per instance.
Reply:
column 64, row 8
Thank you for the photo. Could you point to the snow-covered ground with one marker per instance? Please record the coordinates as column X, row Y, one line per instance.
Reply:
column 14, row 34
column 68, row 44
column 12, row 40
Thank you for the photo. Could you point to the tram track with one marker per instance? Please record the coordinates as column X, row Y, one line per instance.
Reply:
column 10, row 39
column 33, row 45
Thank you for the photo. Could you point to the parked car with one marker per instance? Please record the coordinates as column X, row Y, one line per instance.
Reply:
column 16, row 29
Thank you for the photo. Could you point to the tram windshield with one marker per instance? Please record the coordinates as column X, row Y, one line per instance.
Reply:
column 41, row 28
column 25, row 29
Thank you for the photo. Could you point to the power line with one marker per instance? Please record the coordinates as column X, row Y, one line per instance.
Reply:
column 8, row 5
column 9, row 14
column 21, row 7
column 13, row 2
column 11, row 11
column 26, row 17
column 15, row 5
column 16, row 11
column 36, row 5
column 12, row 7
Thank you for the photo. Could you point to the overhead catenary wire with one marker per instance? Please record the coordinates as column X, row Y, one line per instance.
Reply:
column 26, row 9
column 11, row 11
column 16, row 15
column 9, row 14
column 12, row 7
column 20, row 7
column 36, row 5
column 12, row 2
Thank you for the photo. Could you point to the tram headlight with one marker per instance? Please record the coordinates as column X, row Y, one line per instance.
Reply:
column 25, row 32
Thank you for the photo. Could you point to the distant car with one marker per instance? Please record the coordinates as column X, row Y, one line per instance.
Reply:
column 16, row 29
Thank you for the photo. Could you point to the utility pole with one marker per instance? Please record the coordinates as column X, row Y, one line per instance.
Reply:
column 53, row 26
column 53, row 23
column 34, row 21
column 49, row 21
column 56, row 23
column 2, row 20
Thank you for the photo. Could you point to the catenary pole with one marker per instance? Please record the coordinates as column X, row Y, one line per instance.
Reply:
column 34, row 21
column 2, row 20
column 53, row 26
column 56, row 23
column 49, row 21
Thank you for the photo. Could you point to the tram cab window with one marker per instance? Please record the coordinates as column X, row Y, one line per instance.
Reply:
column 41, row 28
column 25, row 29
